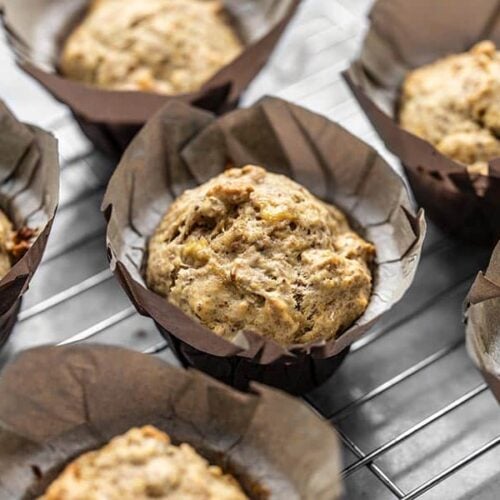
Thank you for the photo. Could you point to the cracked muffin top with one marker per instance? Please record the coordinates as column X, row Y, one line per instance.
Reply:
column 140, row 465
column 454, row 103
column 162, row 46
column 252, row 250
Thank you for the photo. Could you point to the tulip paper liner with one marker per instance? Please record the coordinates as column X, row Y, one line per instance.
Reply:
column 181, row 147
column 404, row 35
column 29, row 190
column 36, row 30
column 483, row 322
column 58, row 402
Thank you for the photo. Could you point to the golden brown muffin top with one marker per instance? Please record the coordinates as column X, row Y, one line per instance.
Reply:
column 140, row 465
column 163, row 46
column 454, row 103
column 252, row 250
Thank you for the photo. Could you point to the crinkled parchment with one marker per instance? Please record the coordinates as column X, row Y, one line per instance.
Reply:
column 483, row 322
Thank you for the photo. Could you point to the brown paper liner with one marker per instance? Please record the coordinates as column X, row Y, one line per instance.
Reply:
column 181, row 147
column 36, row 29
column 404, row 35
column 58, row 402
column 483, row 322
column 29, row 193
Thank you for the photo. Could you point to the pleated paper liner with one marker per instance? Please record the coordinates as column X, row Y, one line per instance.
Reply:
column 58, row 402
column 36, row 30
column 483, row 322
column 29, row 191
column 181, row 147
column 404, row 35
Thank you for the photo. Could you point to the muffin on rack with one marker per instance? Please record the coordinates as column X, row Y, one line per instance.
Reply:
column 143, row 464
column 162, row 46
column 454, row 104
column 253, row 250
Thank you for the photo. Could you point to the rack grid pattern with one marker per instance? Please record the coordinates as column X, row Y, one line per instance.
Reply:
column 416, row 419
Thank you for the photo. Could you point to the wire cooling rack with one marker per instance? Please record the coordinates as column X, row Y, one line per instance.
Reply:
column 416, row 418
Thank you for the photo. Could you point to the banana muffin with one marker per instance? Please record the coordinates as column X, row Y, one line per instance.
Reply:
column 163, row 46
column 140, row 465
column 454, row 103
column 5, row 242
column 252, row 250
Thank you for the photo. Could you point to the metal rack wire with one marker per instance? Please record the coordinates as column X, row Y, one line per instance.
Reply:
column 415, row 417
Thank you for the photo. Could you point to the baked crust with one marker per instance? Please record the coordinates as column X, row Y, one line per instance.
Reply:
column 454, row 103
column 252, row 250
column 6, row 234
column 163, row 46
column 140, row 465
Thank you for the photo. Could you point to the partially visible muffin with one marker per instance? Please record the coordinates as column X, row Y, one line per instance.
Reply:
column 13, row 243
column 6, row 234
column 454, row 103
column 140, row 465
column 163, row 46
column 252, row 250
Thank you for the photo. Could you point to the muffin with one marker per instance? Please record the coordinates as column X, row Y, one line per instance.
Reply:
column 253, row 250
column 454, row 103
column 162, row 46
column 13, row 244
column 142, row 464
